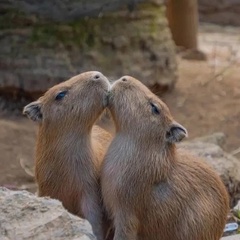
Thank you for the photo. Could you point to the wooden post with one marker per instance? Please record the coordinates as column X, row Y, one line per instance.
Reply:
column 183, row 21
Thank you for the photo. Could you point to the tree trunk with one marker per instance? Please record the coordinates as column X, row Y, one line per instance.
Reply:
column 183, row 22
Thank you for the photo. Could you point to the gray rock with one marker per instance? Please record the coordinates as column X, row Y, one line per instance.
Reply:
column 38, row 53
column 217, row 138
column 59, row 10
column 237, row 207
column 25, row 216
column 233, row 237
column 224, row 12
column 226, row 165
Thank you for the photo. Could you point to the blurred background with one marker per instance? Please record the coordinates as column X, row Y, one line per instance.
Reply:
column 186, row 51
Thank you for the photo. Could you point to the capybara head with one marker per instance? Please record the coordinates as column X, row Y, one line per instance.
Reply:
column 79, row 100
column 136, row 109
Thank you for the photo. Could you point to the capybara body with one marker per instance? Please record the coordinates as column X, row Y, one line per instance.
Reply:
column 69, row 149
column 151, row 189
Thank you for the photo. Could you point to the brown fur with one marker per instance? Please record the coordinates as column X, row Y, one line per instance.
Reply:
column 105, row 121
column 150, row 189
column 69, row 149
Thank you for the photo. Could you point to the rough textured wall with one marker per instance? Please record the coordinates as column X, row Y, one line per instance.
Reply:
column 37, row 52
column 25, row 216
column 224, row 12
column 68, row 10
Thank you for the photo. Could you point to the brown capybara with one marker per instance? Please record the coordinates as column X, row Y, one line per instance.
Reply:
column 69, row 148
column 152, row 190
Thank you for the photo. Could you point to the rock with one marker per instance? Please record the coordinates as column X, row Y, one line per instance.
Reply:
column 224, row 12
column 194, row 54
column 38, row 53
column 237, row 207
column 233, row 237
column 25, row 216
column 217, row 138
column 67, row 10
column 226, row 165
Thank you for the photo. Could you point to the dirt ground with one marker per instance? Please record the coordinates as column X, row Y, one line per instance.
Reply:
column 206, row 99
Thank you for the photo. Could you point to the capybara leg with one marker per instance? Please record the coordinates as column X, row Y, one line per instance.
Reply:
column 92, row 211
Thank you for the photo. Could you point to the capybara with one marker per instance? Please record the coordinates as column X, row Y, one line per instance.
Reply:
column 70, row 148
column 151, row 189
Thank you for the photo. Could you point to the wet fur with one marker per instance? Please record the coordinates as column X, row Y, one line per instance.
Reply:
column 150, row 189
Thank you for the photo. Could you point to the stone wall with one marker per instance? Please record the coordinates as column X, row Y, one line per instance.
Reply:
column 225, row 12
column 38, row 51
column 25, row 216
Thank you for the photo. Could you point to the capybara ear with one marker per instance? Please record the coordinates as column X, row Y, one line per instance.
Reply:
column 176, row 133
column 33, row 111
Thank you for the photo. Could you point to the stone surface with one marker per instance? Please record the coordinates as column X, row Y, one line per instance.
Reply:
column 217, row 138
column 37, row 53
column 237, row 207
column 66, row 10
column 25, row 216
column 221, row 46
column 233, row 237
column 226, row 165
column 221, row 12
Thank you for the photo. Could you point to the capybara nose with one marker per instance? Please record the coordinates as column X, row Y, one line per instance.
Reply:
column 97, row 75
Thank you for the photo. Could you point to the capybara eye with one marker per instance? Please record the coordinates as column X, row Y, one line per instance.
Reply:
column 124, row 79
column 155, row 109
column 61, row 95
column 97, row 76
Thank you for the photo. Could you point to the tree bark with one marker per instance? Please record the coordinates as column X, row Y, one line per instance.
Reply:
column 183, row 21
